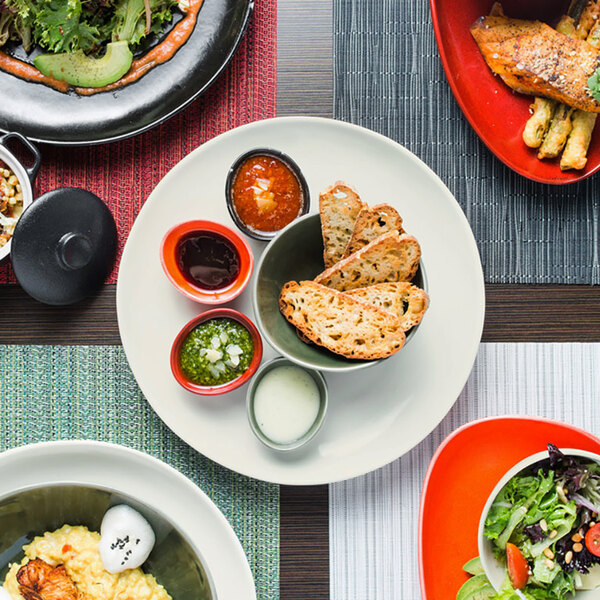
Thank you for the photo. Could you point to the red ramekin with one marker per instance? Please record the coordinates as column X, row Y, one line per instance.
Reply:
column 215, row 390
column 168, row 260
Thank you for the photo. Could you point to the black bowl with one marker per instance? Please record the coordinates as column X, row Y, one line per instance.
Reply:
column 231, row 175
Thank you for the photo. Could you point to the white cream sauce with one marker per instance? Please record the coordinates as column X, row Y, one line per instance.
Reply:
column 286, row 404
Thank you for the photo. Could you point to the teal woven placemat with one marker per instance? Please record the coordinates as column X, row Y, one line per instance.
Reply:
column 88, row 392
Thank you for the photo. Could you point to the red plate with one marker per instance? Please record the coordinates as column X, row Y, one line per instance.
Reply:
column 498, row 114
column 461, row 476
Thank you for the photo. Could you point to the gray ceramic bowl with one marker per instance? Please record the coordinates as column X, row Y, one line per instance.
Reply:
column 31, row 512
column 296, row 254
column 310, row 434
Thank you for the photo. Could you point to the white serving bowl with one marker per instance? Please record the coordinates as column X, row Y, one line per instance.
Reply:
column 25, row 175
column 43, row 486
column 494, row 570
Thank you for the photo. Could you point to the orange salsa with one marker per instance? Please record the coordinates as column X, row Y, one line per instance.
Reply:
column 266, row 193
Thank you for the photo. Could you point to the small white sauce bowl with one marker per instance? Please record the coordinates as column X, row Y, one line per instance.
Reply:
column 494, row 569
column 318, row 422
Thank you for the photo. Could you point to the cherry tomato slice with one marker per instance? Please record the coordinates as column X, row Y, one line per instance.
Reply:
column 518, row 569
column 592, row 539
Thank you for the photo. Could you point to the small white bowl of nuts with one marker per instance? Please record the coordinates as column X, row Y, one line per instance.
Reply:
column 540, row 523
column 15, row 187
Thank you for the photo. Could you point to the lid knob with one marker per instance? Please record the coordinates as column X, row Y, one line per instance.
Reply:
column 74, row 251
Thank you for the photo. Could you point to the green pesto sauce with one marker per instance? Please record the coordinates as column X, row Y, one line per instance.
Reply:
column 221, row 335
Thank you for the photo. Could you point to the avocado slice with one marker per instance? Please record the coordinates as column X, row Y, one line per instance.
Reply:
column 85, row 71
column 473, row 566
column 473, row 586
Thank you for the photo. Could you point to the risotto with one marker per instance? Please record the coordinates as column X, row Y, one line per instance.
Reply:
column 11, row 202
column 77, row 549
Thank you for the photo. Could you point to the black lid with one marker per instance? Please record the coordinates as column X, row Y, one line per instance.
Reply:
column 63, row 246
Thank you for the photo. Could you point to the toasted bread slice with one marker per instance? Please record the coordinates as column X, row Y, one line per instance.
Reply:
column 340, row 323
column 390, row 257
column 403, row 299
column 370, row 224
column 339, row 206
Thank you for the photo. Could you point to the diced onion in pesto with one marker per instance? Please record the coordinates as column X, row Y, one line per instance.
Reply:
column 216, row 352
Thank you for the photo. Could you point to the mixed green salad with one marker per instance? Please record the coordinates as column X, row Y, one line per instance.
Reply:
column 78, row 35
column 544, row 528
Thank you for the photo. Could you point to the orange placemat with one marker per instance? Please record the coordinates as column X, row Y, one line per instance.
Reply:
column 124, row 173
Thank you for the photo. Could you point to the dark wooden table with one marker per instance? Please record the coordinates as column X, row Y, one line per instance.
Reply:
column 515, row 313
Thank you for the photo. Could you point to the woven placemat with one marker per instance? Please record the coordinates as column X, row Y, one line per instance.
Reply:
column 389, row 78
column 88, row 392
column 124, row 173
column 374, row 519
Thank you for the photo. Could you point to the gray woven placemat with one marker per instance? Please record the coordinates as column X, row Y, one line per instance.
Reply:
column 388, row 77
column 88, row 392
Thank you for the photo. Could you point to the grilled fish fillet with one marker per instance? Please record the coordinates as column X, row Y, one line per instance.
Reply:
column 532, row 58
column 40, row 581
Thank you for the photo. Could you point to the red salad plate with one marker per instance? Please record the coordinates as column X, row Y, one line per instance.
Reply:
column 497, row 114
column 461, row 476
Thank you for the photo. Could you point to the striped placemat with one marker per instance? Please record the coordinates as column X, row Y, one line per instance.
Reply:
column 88, row 392
column 374, row 519
column 124, row 173
column 388, row 77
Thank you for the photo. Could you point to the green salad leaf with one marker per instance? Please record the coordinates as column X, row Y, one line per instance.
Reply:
column 562, row 585
column 560, row 518
column 16, row 17
column 525, row 501
column 593, row 84
column 72, row 26
column 130, row 23
column 6, row 19
column 541, row 572
column 59, row 27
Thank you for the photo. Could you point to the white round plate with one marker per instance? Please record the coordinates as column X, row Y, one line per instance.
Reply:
column 152, row 482
column 375, row 415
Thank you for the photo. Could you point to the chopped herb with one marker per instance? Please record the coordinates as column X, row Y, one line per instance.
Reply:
column 206, row 359
column 594, row 85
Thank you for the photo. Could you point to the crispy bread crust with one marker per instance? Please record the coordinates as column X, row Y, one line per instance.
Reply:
column 405, row 300
column 390, row 257
column 370, row 224
column 339, row 206
column 342, row 324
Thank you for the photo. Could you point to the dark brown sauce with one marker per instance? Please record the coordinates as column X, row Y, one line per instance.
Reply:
column 208, row 260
